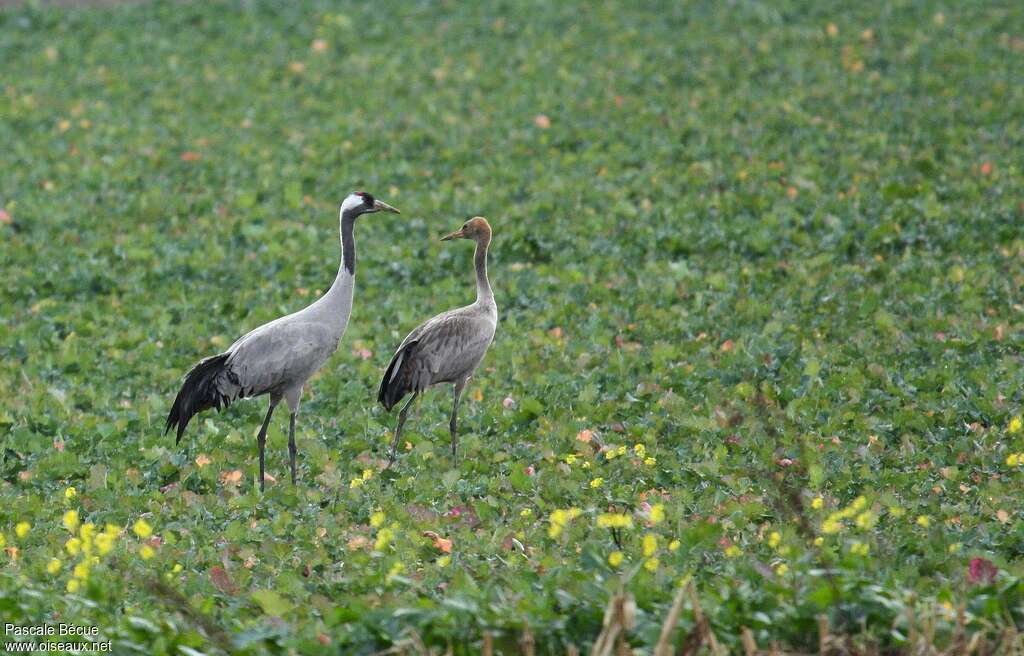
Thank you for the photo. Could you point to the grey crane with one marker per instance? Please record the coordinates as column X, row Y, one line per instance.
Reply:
column 279, row 357
column 447, row 348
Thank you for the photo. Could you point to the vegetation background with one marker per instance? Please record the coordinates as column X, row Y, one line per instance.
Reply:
column 759, row 270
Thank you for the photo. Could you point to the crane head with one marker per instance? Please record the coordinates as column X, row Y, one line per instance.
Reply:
column 360, row 202
column 476, row 229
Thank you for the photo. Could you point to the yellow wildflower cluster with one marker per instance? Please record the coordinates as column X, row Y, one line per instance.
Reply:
column 85, row 542
column 1015, row 426
column 614, row 520
column 596, row 483
column 1015, row 459
column 834, row 522
column 359, row 480
column 649, row 545
column 639, row 450
column 384, row 537
column 377, row 519
column 560, row 518
column 650, row 461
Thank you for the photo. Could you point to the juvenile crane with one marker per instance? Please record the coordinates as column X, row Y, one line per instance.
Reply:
column 279, row 357
column 447, row 348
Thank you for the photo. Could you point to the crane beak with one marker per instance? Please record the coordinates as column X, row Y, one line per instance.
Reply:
column 458, row 234
column 381, row 206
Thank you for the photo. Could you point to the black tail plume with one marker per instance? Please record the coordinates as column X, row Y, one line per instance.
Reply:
column 396, row 383
column 199, row 392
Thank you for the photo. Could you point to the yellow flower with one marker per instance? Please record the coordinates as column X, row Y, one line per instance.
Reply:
column 1015, row 425
column 21, row 529
column 610, row 454
column 817, row 503
column 858, row 504
column 87, row 531
column 621, row 450
column 650, row 544
column 640, row 450
column 651, row 564
column 112, row 530
column 650, row 461
column 3, row 540
column 955, row 548
column 177, row 568
column 559, row 518
column 71, row 520
column 896, row 511
column 1012, row 460
column 383, row 539
column 831, row 525
column 597, row 482
column 586, row 464
column 377, row 519
column 81, row 571
column 73, row 585
column 614, row 520
column 73, row 546
column 865, row 520
column 570, row 459
column 673, row 545
column 395, row 570
column 354, row 483
column 615, row 558
column 444, row 561
column 53, row 566
column 104, row 543
column 525, row 512
column 781, row 569
column 924, row 521
column 859, row 548
column 818, row 541
column 657, row 513
column 733, row 551
column 367, row 474
column 146, row 552
column 142, row 529
column 70, row 493
column 774, row 538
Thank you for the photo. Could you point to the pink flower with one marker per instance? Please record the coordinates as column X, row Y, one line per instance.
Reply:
column 981, row 571
column 530, row 471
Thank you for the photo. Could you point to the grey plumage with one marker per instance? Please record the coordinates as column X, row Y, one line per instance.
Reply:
column 278, row 358
column 447, row 348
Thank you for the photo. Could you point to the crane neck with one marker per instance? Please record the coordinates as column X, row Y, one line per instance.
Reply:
column 342, row 288
column 483, row 285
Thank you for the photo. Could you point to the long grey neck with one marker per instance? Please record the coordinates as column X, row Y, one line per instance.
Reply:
column 483, row 285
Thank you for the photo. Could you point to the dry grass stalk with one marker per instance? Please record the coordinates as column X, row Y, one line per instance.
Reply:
column 619, row 619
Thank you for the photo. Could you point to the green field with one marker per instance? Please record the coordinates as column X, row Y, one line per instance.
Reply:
column 766, row 257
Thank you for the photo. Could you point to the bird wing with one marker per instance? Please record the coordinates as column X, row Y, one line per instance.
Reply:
column 279, row 355
column 448, row 347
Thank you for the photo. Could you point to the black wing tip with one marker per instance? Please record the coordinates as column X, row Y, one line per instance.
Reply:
column 393, row 388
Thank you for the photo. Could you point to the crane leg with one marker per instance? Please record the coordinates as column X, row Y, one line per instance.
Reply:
column 261, row 441
column 452, row 425
column 292, row 450
column 398, row 431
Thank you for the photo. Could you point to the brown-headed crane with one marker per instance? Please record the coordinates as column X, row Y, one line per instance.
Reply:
column 447, row 348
